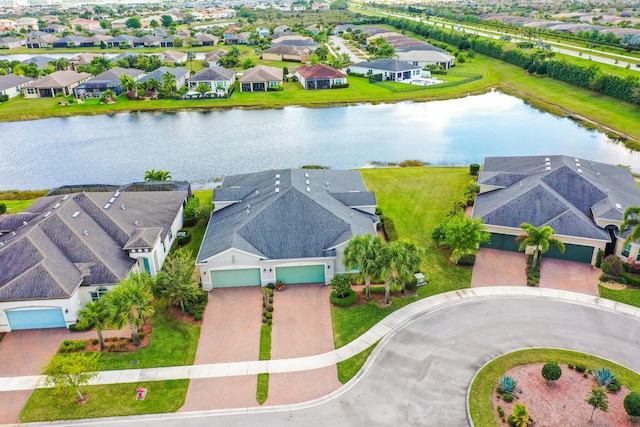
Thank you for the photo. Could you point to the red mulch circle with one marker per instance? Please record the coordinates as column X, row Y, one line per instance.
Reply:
column 562, row 404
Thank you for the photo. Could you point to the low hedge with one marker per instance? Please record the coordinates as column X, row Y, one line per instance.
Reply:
column 388, row 228
column 183, row 240
column 351, row 297
column 69, row 346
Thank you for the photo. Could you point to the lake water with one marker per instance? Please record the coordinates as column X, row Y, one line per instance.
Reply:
column 201, row 146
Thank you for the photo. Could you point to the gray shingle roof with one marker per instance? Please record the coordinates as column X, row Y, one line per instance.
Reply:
column 72, row 240
column 12, row 80
column 388, row 65
column 564, row 192
column 179, row 72
column 291, row 223
column 213, row 74
column 41, row 61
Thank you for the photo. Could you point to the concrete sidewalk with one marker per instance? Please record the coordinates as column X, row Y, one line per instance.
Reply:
column 391, row 323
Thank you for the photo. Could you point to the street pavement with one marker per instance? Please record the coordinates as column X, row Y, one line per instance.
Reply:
column 420, row 372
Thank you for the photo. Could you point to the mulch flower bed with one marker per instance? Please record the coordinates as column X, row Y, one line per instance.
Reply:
column 121, row 344
column 176, row 313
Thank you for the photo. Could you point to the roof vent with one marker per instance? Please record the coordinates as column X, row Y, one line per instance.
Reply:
column 618, row 205
column 113, row 199
column 136, row 223
column 122, row 206
column 257, row 192
column 306, row 175
column 578, row 164
column 85, row 232
column 75, row 215
column 107, row 206
column 307, row 182
column 277, row 183
column 47, row 214
column 65, row 197
column 579, row 170
column 248, row 211
column 25, row 223
column 1, row 244
column 277, row 190
column 57, row 205
column 546, row 159
column 308, row 190
column 548, row 168
column 277, row 176
column 577, row 161
column 117, row 194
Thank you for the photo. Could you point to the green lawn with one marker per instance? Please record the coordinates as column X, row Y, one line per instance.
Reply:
column 480, row 404
column 17, row 206
column 626, row 296
column 106, row 401
column 350, row 367
column 417, row 199
column 173, row 343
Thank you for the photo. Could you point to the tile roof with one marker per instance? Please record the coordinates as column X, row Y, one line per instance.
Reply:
column 58, row 79
column 288, row 50
column 261, row 73
column 319, row 71
column 65, row 241
column 300, row 220
column 567, row 193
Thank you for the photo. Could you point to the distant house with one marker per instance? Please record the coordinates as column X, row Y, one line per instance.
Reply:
column 294, row 40
column 86, row 24
column 181, row 75
column 68, row 42
column 28, row 24
column 229, row 32
column 283, row 52
column 213, row 57
column 424, row 57
column 263, row 31
column 239, row 38
column 96, row 40
column 41, row 42
column 119, row 24
column 313, row 29
column 172, row 57
column 55, row 29
column 169, row 41
column 41, row 61
column 11, row 42
column 11, row 85
column 57, row 82
column 216, row 78
column 260, row 78
column 73, row 246
column 320, row 76
column 206, row 40
column 110, row 79
column 121, row 40
column 83, row 59
column 339, row 30
column 390, row 69
column 147, row 41
column 282, row 29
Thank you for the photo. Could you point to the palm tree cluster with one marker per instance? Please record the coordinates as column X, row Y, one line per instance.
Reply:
column 396, row 262
column 157, row 175
column 152, row 88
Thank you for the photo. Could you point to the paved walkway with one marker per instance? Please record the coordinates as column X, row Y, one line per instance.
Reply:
column 389, row 324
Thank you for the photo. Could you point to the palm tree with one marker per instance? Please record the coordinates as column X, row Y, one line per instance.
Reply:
column 127, row 83
column 397, row 263
column 540, row 239
column 169, row 83
column 157, row 175
column 202, row 88
column 363, row 253
column 62, row 64
column 152, row 85
column 631, row 220
column 96, row 312
column 130, row 303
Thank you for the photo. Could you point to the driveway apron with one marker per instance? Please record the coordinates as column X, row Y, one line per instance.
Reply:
column 494, row 267
column 569, row 276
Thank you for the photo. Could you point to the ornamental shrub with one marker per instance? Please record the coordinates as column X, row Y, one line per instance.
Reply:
column 345, row 301
column 506, row 384
column 3, row 208
column 614, row 386
column 599, row 257
column 551, row 372
column 507, row 397
column 580, row 367
column 474, row 168
column 632, row 405
column 613, row 266
column 340, row 285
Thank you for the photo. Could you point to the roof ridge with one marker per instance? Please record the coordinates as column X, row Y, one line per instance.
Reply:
column 44, row 258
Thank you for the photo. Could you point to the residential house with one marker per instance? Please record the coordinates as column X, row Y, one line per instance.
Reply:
column 213, row 57
column 121, row 41
column 86, row 24
column 263, row 31
column 41, row 42
column 110, row 79
column 320, row 76
column 11, row 85
column 425, row 55
column 260, row 79
column 294, row 40
column 582, row 200
column 181, row 75
column 72, row 246
column 146, row 21
column 282, row 29
column 69, row 42
column 287, row 225
column 173, row 56
column 83, row 59
column 26, row 23
column 119, row 24
column 320, row 6
column 147, row 41
column 216, row 78
column 41, row 61
column 6, row 24
column 206, row 40
column 229, row 32
column 239, row 38
column 97, row 40
column 11, row 42
column 283, row 52
column 339, row 30
column 170, row 41
column 313, row 29
column 54, row 29
column 390, row 69
column 57, row 82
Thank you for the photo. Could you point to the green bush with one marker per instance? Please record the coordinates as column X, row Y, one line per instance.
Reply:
column 389, row 229
column 183, row 240
column 347, row 300
column 599, row 257
column 377, row 289
column 551, row 372
column 614, row 386
column 142, row 335
column 632, row 404
column 271, row 285
column 190, row 212
column 500, row 411
column 81, row 326
column 95, row 341
column 467, row 260
column 268, row 315
column 340, row 285
column 68, row 346
column 474, row 168
column 570, row 366
column 507, row 397
column 3, row 208
column 378, row 211
column 270, row 309
column 613, row 266
column 4, row 98
column 580, row 367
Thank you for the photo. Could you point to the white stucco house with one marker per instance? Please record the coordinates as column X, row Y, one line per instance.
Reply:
column 11, row 84
column 582, row 200
column 76, row 243
column 287, row 225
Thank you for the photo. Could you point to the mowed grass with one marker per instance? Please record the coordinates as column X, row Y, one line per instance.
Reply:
column 198, row 230
column 480, row 404
column 417, row 199
column 173, row 343
column 106, row 401
column 626, row 296
column 350, row 367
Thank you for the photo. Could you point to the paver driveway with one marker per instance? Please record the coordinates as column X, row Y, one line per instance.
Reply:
column 302, row 327
column 230, row 333
column 569, row 276
column 499, row 268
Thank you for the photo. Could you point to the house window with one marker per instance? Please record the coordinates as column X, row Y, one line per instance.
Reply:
column 233, row 259
column 626, row 250
column 95, row 296
column 170, row 235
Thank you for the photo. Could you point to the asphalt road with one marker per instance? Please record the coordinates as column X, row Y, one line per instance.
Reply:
column 421, row 374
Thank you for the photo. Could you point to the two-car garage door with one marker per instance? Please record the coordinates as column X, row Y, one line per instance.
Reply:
column 304, row 274
column 36, row 319
column 251, row 276
column 572, row 252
